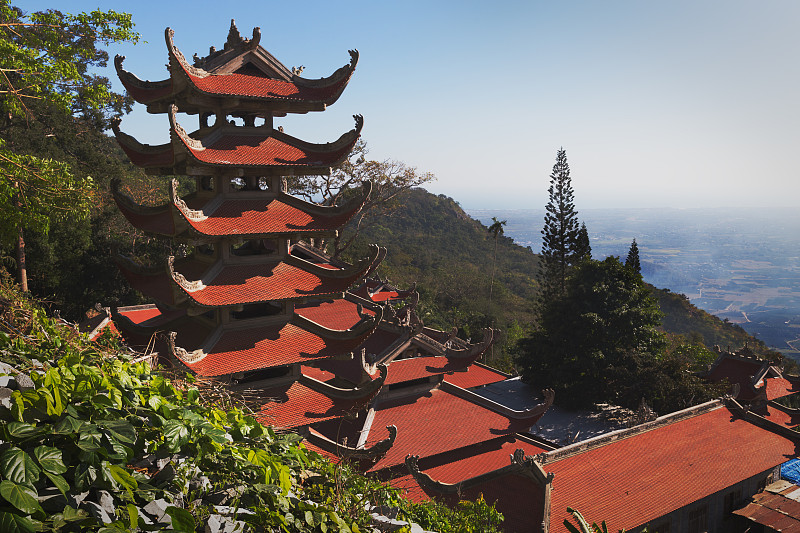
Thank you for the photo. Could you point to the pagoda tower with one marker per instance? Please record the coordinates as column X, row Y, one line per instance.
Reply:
column 228, row 308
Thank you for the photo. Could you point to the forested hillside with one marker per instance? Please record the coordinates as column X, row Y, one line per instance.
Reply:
column 433, row 242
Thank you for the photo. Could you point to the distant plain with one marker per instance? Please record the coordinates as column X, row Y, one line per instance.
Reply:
column 742, row 265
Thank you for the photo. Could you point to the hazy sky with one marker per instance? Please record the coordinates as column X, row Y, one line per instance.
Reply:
column 664, row 104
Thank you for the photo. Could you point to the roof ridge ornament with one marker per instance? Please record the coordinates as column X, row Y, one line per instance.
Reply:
column 373, row 453
column 194, row 144
column 192, row 214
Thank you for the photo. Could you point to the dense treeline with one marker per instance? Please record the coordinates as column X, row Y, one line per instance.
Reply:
column 71, row 266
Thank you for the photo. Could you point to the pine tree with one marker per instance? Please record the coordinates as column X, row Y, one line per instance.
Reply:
column 632, row 260
column 583, row 249
column 560, row 232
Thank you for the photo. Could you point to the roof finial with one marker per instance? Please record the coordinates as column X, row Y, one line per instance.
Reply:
column 234, row 37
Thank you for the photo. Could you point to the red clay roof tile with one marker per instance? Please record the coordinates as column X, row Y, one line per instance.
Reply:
column 258, row 347
column 637, row 479
column 296, row 404
column 450, row 422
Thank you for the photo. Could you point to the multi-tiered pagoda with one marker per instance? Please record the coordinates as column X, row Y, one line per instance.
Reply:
column 229, row 306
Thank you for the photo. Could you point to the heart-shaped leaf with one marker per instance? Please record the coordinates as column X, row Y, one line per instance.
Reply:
column 67, row 425
column 50, row 459
column 11, row 522
column 182, row 520
column 17, row 466
column 21, row 430
column 20, row 497
column 122, row 430
column 176, row 434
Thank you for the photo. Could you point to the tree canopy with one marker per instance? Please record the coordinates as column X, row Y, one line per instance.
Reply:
column 389, row 179
column 560, row 232
column 606, row 313
column 632, row 260
column 46, row 64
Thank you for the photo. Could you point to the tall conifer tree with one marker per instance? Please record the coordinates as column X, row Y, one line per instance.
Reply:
column 560, row 232
column 583, row 248
column 632, row 260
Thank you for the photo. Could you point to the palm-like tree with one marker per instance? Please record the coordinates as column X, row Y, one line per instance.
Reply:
column 496, row 229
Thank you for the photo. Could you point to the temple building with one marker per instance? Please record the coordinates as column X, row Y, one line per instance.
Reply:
column 342, row 357
column 254, row 305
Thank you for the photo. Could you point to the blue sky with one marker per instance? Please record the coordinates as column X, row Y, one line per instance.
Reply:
column 658, row 104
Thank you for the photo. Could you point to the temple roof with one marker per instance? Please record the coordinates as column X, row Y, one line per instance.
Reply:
column 748, row 372
column 453, row 417
column 194, row 281
column 242, row 77
column 247, row 214
column 691, row 457
column 381, row 291
column 261, row 151
column 487, row 470
column 308, row 401
column 414, row 368
column 248, row 345
column 340, row 313
column 461, row 464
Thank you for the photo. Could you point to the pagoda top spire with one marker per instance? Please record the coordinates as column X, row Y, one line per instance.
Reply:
column 242, row 77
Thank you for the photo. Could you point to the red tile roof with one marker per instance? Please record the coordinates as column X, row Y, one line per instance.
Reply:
column 247, row 82
column 241, row 217
column 775, row 508
column 260, row 150
column 475, row 376
column 506, row 492
column 295, row 404
column 780, row 387
column 250, row 86
column 140, row 315
column 378, row 291
column 401, row 370
column 268, row 216
column 333, row 314
column 239, row 284
column 465, row 463
column 240, row 147
column 637, row 479
column 450, row 422
column 243, row 350
column 783, row 416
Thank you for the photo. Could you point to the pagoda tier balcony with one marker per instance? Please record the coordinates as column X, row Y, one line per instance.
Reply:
column 238, row 349
column 243, row 214
column 231, row 282
column 241, row 79
column 237, row 151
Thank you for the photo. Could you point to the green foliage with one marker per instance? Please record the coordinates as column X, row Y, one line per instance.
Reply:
column 468, row 517
column 632, row 260
column 96, row 421
column 48, row 55
column 605, row 317
column 583, row 248
column 46, row 60
column 560, row 233
column 684, row 318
